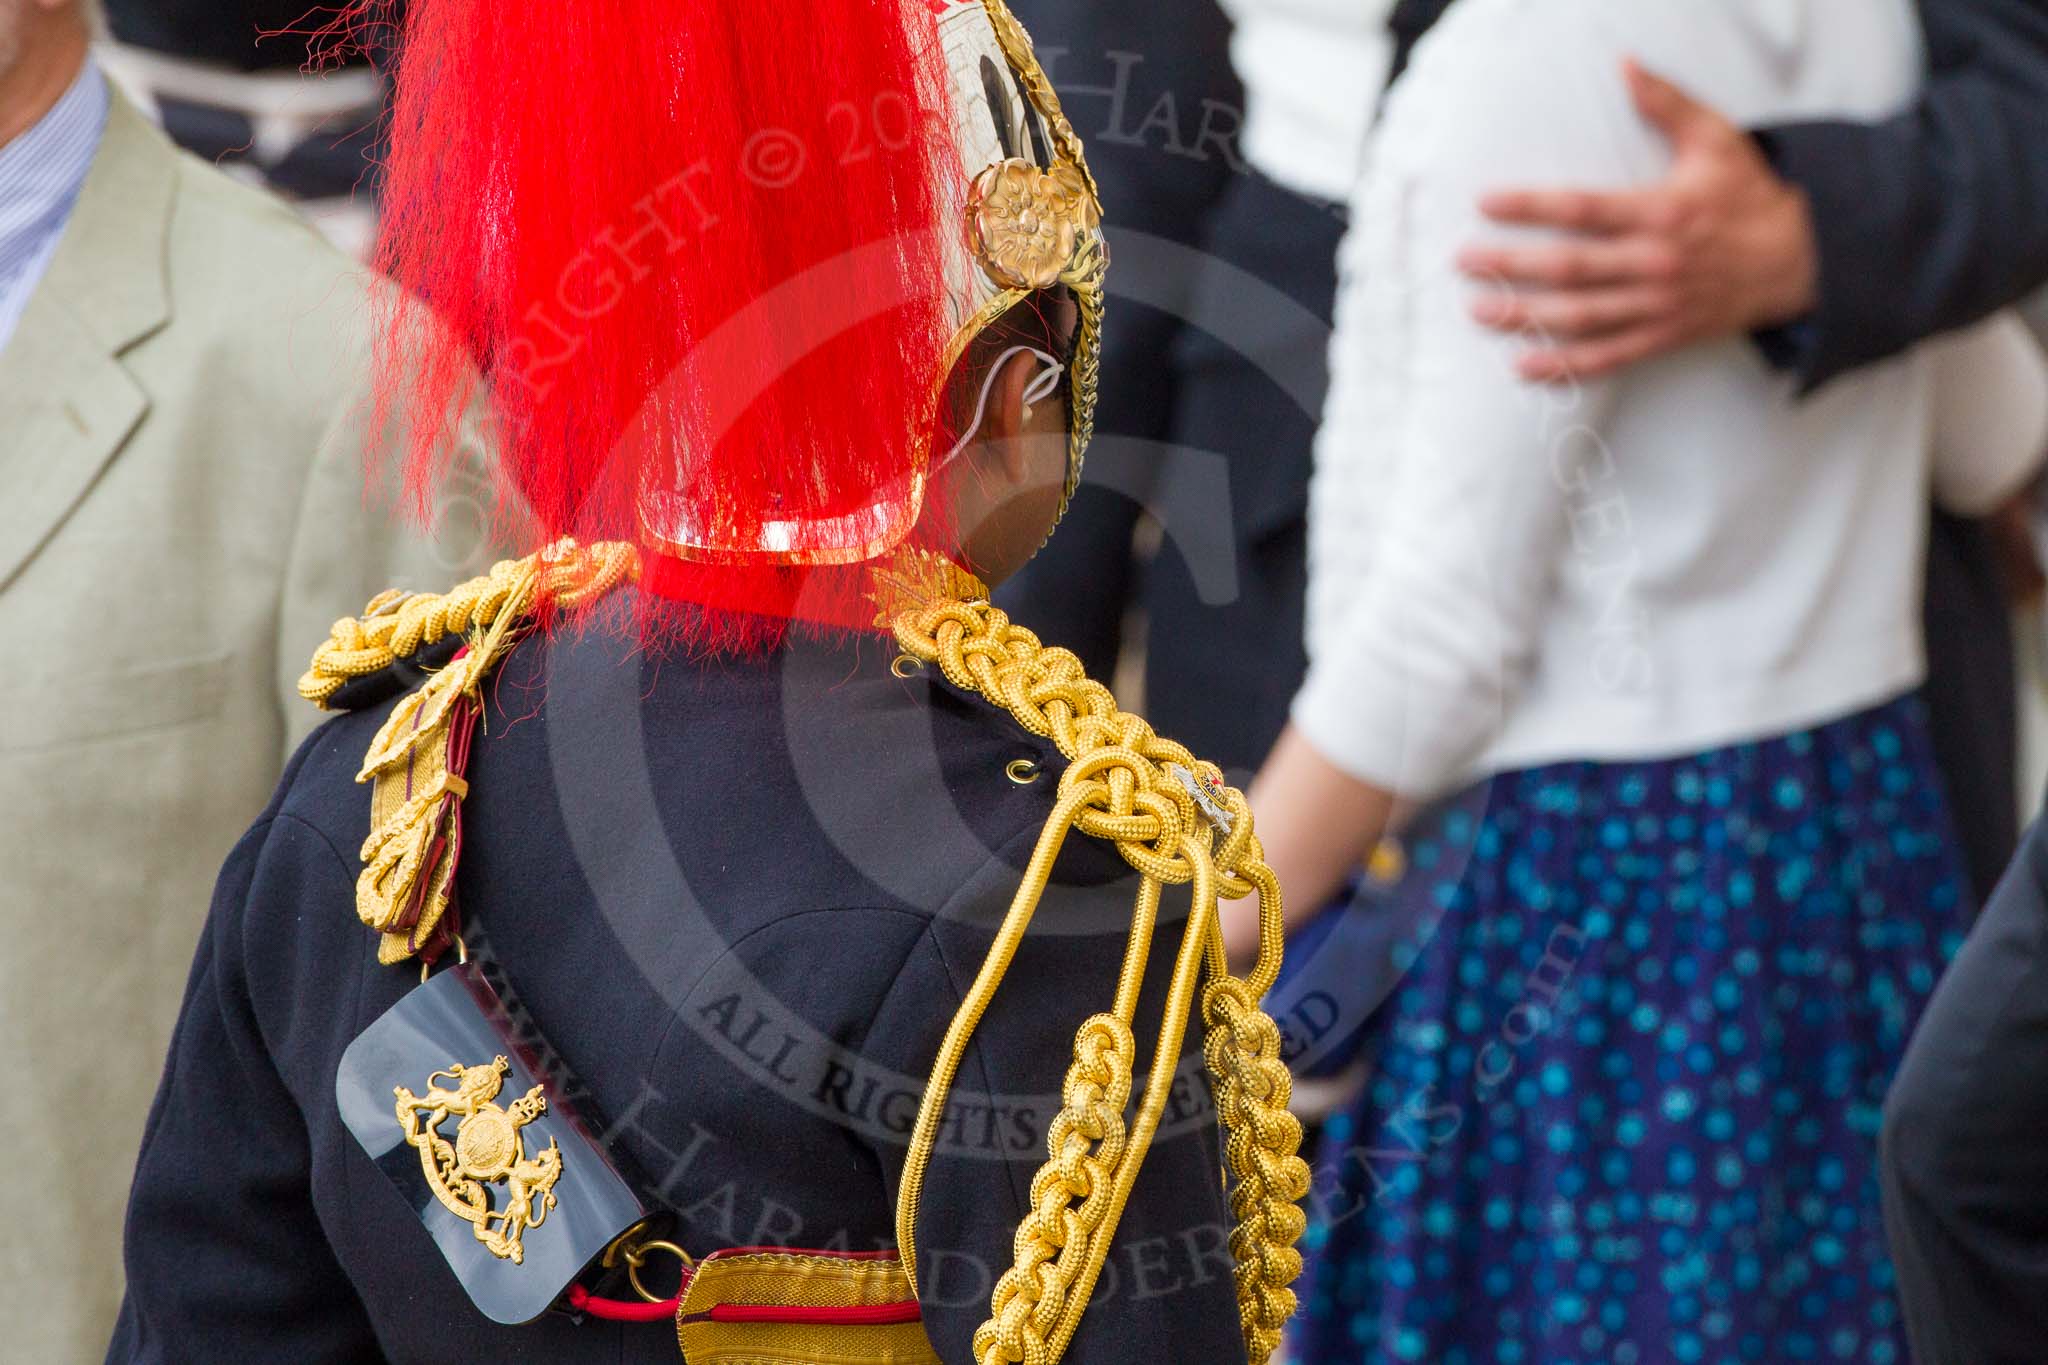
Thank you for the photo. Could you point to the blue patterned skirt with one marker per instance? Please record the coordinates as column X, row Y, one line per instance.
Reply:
column 1626, row 1094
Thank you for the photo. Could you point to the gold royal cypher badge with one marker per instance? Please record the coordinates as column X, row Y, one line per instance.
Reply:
column 488, row 1150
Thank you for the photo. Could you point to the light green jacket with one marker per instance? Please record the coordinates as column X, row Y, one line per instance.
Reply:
column 182, row 517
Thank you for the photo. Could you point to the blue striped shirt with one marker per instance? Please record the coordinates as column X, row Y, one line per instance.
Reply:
column 41, row 172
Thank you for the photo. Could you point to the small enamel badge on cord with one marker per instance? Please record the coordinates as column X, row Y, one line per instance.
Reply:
column 459, row 1102
column 1205, row 791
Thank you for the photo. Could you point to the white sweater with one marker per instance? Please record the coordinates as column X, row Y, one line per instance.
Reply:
column 1503, row 575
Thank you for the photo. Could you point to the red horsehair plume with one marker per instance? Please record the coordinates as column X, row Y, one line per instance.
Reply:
column 595, row 197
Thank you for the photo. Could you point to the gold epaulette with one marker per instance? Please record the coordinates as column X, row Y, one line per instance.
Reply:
column 397, row 625
column 417, row 760
column 1176, row 822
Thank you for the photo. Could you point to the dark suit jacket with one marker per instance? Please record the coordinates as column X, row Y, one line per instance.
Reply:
column 661, row 857
column 1940, row 216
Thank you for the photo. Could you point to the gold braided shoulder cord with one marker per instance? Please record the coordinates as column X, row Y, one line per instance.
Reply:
column 1122, row 785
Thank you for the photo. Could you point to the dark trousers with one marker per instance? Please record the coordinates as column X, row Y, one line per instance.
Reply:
column 1972, row 700
column 1965, row 1145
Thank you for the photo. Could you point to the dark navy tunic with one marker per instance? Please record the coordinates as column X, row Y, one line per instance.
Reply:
column 742, row 900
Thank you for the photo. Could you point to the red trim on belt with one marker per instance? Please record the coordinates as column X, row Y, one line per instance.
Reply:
column 621, row 1310
column 859, row 1315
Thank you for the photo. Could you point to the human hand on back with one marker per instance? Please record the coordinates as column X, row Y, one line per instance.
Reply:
column 1721, row 246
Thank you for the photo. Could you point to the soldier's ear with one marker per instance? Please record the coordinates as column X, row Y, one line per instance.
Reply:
column 1007, row 418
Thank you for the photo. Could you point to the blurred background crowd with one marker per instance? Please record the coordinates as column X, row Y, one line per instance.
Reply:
column 1578, row 461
